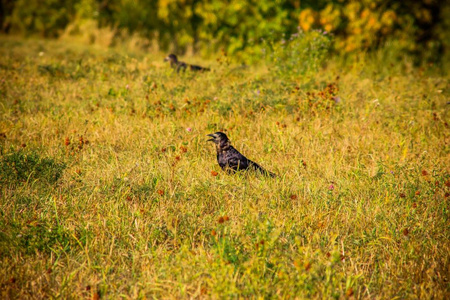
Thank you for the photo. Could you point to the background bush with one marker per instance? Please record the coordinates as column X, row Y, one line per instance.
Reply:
column 420, row 27
column 299, row 55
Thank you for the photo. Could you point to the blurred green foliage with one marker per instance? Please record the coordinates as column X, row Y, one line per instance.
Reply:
column 238, row 26
column 299, row 55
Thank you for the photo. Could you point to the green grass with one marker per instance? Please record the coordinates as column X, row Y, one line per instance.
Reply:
column 104, row 191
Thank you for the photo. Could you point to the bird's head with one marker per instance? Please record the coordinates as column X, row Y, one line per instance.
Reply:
column 220, row 139
column 172, row 58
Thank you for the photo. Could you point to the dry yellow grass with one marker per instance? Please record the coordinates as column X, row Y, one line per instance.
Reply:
column 360, row 207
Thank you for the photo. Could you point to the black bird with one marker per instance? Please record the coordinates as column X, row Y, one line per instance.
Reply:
column 230, row 160
column 179, row 65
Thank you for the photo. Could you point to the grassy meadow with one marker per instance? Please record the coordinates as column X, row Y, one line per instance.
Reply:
column 110, row 190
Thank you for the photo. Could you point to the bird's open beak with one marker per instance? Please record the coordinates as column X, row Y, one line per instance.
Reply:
column 166, row 59
column 213, row 137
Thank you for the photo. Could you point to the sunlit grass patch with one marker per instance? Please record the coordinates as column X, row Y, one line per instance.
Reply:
column 109, row 187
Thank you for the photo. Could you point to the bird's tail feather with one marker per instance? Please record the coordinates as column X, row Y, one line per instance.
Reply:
column 263, row 171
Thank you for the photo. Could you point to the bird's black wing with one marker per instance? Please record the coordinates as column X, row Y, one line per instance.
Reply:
column 243, row 163
column 181, row 66
column 232, row 160
column 198, row 68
